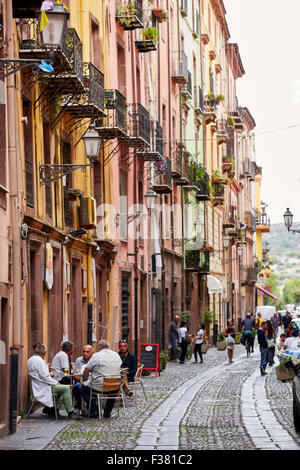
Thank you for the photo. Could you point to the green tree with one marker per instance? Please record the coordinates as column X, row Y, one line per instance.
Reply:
column 273, row 283
column 291, row 292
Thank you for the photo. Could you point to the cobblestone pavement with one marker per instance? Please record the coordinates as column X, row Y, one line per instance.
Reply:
column 191, row 406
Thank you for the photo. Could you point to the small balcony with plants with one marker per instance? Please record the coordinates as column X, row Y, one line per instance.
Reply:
column 199, row 181
column 148, row 41
column 197, row 261
column 245, row 168
column 114, row 124
column 138, row 126
column 64, row 52
column 218, row 182
column 180, row 169
column 210, row 109
column 160, row 14
column 162, row 180
column 230, row 218
column 237, row 116
column 263, row 224
column 228, row 166
column 129, row 14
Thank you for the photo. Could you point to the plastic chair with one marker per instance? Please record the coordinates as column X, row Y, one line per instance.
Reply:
column 138, row 381
column 34, row 400
column 112, row 390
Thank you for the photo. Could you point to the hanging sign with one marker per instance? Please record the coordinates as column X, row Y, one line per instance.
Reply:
column 48, row 266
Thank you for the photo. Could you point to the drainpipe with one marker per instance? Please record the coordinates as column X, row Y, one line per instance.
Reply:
column 15, row 182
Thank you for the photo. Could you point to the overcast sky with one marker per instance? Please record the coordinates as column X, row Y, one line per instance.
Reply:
column 268, row 35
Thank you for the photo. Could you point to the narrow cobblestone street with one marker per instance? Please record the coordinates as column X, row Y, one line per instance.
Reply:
column 209, row 406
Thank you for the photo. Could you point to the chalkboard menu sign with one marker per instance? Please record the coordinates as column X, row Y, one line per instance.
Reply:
column 149, row 356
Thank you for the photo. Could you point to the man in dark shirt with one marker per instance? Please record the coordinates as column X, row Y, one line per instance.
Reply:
column 286, row 322
column 128, row 361
column 174, row 337
column 263, row 345
column 248, row 325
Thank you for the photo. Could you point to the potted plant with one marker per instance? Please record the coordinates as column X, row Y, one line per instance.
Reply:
column 238, row 338
column 219, row 98
column 160, row 14
column 210, row 97
column 285, row 370
column 230, row 121
column 74, row 193
column 124, row 13
column 226, row 163
column 150, row 34
column 217, row 177
column 221, row 343
column 163, row 359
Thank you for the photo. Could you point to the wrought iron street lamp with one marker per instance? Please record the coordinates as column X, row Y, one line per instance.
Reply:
column 288, row 220
column 49, row 173
column 53, row 33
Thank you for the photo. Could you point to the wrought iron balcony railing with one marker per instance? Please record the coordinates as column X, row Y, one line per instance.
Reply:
column 180, row 72
column 210, row 110
column 187, row 91
column 156, row 150
column 198, row 99
column 221, row 129
column 32, row 45
column 162, row 181
column 138, row 125
column 262, row 222
column 197, row 261
column 218, row 190
column 114, row 124
column 230, row 218
column 249, row 275
column 90, row 103
column 130, row 14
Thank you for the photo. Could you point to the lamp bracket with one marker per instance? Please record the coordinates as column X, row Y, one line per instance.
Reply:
column 49, row 173
column 11, row 66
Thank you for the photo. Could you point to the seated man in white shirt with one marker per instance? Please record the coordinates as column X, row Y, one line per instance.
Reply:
column 103, row 363
column 288, row 344
column 42, row 382
column 61, row 363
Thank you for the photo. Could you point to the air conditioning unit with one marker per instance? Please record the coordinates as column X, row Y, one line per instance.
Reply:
column 88, row 213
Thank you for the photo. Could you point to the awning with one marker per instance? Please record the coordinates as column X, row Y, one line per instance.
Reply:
column 266, row 292
column 214, row 285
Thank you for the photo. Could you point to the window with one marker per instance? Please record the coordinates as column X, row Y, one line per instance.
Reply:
column 28, row 152
column 121, row 71
column 95, row 43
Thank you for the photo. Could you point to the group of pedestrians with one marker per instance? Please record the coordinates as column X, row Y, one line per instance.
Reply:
column 180, row 337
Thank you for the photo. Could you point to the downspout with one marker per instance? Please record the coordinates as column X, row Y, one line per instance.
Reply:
column 182, row 199
column 15, row 183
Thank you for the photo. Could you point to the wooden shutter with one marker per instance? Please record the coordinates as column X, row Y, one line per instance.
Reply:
column 28, row 151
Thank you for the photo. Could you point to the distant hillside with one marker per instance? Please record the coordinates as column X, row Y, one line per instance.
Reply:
column 284, row 251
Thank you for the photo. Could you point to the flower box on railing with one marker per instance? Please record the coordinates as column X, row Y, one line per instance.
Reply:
column 74, row 193
column 160, row 14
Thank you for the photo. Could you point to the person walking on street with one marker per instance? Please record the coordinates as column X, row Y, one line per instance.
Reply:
column 198, row 340
column 286, row 322
column 275, row 323
column 247, row 330
column 263, row 346
column 174, row 337
column 271, row 342
column 230, row 332
column 184, row 340
column 259, row 320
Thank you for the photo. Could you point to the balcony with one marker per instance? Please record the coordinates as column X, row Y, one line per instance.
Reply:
column 162, row 181
column 176, row 153
column 138, row 126
column 181, row 174
column 198, row 100
column 250, row 221
column 221, row 130
column 198, row 181
column 114, row 124
column 218, row 193
column 262, row 222
column 156, row 151
column 230, row 218
column 179, row 72
column 130, row 14
column 187, row 92
column 90, row 103
column 245, row 169
column 146, row 45
column 228, row 166
column 197, row 261
column 210, row 110
column 249, row 275
column 237, row 115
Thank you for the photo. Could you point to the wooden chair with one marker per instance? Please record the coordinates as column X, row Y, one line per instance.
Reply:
column 112, row 390
column 34, row 400
column 138, row 381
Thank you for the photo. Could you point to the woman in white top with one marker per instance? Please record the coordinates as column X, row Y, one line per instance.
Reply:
column 183, row 340
column 198, row 340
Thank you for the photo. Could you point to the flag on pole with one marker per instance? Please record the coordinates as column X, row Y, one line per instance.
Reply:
column 44, row 20
column 61, row 3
